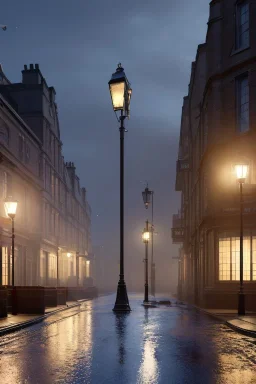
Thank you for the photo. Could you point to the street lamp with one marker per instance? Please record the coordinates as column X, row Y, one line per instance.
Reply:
column 241, row 173
column 120, row 91
column 146, row 238
column 10, row 206
column 147, row 194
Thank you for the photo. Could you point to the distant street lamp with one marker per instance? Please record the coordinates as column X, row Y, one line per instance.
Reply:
column 146, row 238
column 120, row 91
column 241, row 173
column 148, row 197
column 10, row 206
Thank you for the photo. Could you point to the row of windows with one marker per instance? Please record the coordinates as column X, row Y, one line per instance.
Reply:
column 229, row 258
column 55, row 225
column 64, row 199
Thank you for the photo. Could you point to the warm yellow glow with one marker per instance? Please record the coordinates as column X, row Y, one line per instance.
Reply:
column 145, row 236
column 87, row 262
column 229, row 258
column 10, row 206
column 117, row 94
column 68, row 254
column 241, row 172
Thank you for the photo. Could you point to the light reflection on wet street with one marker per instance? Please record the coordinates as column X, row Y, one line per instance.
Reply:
column 172, row 345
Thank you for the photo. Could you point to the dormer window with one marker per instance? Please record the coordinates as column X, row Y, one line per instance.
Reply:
column 242, row 25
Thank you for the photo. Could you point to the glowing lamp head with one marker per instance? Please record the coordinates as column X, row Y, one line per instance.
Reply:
column 145, row 236
column 88, row 262
column 68, row 254
column 120, row 91
column 241, row 172
column 10, row 206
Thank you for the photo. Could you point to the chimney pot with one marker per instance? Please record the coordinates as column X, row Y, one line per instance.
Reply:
column 36, row 66
column 31, row 66
column 25, row 67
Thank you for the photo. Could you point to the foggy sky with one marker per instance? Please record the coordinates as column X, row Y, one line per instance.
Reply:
column 78, row 45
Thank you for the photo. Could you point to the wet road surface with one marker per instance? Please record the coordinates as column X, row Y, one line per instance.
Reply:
column 92, row 345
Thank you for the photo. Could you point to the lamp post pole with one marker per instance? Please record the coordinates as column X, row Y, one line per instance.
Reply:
column 14, row 293
column 57, row 267
column 10, row 206
column 241, row 174
column 13, row 237
column 122, row 302
column 147, row 194
column 241, row 301
column 120, row 91
column 146, row 266
column 152, row 250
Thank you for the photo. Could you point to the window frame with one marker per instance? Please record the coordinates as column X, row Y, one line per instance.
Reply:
column 228, row 235
column 239, row 6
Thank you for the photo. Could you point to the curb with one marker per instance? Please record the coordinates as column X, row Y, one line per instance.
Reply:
column 27, row 323
column 241, row 330
column 213, row 315
column 226, row 322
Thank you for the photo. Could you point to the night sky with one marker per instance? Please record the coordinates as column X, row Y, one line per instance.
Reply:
column 78, row 45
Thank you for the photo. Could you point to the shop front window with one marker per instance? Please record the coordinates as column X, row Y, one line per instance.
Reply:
column 229, row 258
column 52, row 267
column 6, row 267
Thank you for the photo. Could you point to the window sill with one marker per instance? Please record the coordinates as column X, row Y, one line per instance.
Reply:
column 239, row 50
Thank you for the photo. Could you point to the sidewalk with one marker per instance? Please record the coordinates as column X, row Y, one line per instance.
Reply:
column 243, row 324
column 14, row 323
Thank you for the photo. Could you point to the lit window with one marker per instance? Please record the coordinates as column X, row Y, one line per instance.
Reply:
column 229, row 258
column 243, row 104
column 242, row 25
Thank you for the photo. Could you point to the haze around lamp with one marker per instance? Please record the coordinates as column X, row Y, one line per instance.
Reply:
column 10, row 206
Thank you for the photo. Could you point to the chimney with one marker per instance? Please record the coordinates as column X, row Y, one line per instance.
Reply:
column 31, row 75
column 84, row 195
column 71, row 172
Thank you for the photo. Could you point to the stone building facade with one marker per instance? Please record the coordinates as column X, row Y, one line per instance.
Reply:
column 53, row 218
column 218, row 130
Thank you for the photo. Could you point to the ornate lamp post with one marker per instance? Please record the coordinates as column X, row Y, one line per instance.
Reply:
column 145, row 238
column 148, row 197
column 10, row 206
column 241, row 173
column 120, row 91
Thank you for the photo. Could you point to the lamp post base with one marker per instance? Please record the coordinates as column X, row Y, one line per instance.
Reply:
column 14, row 301
column 146, row 294
column 241, row 304
column 122, row 302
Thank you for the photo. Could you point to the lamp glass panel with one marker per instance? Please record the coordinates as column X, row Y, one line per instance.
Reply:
column 146, row 196
column 146, row 236
column 117, row 95
column 241, row 171
column 10, row 207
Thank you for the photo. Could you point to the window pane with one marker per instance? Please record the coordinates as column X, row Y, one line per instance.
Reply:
column 242, row 33
column 224, row 258
column 247, row 258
